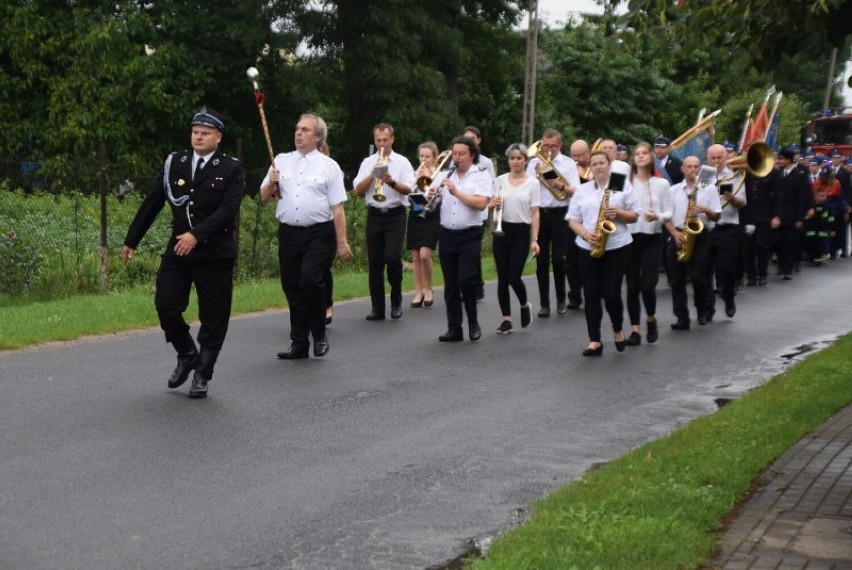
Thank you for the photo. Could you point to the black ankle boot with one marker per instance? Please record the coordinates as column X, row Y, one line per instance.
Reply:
column 203, row 373
column 187, row 357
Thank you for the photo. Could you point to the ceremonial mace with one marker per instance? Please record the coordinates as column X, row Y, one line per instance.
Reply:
column 253, row 74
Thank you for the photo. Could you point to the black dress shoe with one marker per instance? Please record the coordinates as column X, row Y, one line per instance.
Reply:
column 321, row 346
column 198, row 389
column 416, row 304
column 428, row 302
column 653, row 332
column 396, row 313
column 635, row 339
column 294, row 353
column 761, row 281
column 574, row 305
column 452, row 336
column 787, row 277
column 594, row 351
column 328, row 320
column 375, row 316
column 681, row 325
column 561, row 308
column 474, row 331
column 751, row 282
column 544, row 312
column 620, row 345
column 185, row 365
column 702, row 319
column 730, row 308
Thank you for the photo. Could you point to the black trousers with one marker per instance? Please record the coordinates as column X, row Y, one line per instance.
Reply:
column 787, row 244
column 602, row 280
column 696, row 270
column 304, row 254
column 460, row 252
column 214, row 285
column 553, row 240
column 385, row 234
column 643, row 274
column 723, row 262
column 757, row 249
column 510, row 255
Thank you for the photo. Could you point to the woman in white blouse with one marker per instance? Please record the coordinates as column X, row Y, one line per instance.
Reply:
column 603, row 276
column 643, row 270
column 515, row 202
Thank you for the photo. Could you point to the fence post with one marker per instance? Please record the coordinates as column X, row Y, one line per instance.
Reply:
column 104, row 190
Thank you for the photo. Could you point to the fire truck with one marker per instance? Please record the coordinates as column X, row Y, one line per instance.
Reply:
column 829, row 131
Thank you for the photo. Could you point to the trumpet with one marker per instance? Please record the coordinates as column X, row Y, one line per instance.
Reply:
column 379, row 169
column 498, row 216
column 433, row 202
column 424, row 180
column 603, row 227
column 547, row 172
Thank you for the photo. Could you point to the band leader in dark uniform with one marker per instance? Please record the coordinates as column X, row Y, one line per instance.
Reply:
column 203, row 188
column 603, row 276
column 310, row 191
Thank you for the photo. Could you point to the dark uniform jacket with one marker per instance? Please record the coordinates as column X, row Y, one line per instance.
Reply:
column 760, row 196
column 208, row 212
column 793, row 196
column 673, row 168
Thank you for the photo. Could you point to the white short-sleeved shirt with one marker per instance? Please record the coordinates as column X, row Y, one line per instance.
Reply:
column 310, row 185
column 706, row 196
column 519, row 200
column 730, row 215
column 455, row 215
column 400, row 170
column 585, row 207
column 568, row 168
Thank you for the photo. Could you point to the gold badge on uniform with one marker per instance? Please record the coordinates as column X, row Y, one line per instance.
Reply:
column 181, row 182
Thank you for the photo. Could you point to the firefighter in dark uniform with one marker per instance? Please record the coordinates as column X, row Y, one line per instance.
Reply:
column 204, row 188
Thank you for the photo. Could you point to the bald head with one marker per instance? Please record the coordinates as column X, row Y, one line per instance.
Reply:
column 716, row 156
column 609, row 147
column 580, row 152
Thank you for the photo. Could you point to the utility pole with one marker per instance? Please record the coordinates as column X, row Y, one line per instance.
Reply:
column 830, row 81
column 528, row 126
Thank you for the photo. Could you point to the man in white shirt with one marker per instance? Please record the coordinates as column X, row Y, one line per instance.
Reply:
column 384, row 180
column 486, row 164
column 555, row 238
column 312, row 227
column 707, row 209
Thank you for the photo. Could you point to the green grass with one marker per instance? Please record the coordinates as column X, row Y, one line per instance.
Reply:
column 74, row 317
column 660, row 506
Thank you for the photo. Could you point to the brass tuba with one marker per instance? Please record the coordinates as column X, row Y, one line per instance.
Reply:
column 603, row 227
column 379, row 169
column 547, row 172
column 758, row 160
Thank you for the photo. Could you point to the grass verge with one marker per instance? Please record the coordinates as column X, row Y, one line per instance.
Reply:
column 660, row 506
column 74, row 317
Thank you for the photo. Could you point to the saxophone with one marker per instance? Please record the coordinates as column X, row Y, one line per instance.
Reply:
column 603, row 228
column 692, row 226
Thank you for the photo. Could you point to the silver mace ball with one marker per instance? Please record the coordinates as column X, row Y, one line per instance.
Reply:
column 253, row 74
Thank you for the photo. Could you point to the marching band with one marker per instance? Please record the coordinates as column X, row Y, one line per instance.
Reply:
column 592, row 221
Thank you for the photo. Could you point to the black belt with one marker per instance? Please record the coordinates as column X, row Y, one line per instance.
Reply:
column 555, row 209
column 377, row 210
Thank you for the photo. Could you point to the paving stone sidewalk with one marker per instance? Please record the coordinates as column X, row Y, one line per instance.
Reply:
column 801, row 515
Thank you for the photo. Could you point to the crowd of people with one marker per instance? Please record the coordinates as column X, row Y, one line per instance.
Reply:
column 591, row 220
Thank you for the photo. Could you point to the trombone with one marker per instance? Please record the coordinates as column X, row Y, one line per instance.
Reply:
column 546, row 172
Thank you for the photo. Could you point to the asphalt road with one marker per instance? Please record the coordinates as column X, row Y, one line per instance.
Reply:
column 394, row 451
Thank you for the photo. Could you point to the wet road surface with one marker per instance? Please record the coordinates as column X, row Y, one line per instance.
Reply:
column 394, row 451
